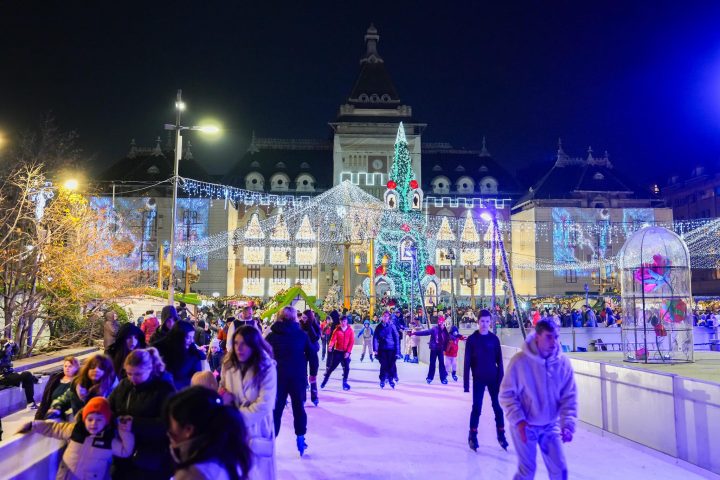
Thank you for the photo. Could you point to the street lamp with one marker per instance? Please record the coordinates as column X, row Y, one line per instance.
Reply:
column 470, row 279
column 370, row 271
column 71, row 184
column 450, row 255
column 179, row 108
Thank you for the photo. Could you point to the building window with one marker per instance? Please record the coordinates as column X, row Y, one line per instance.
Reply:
column 279, row 272
column 253, row 272
column 444, row 272
column 570, row 276
column 306, row 272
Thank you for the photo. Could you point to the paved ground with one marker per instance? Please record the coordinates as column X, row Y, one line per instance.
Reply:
column 419, row 431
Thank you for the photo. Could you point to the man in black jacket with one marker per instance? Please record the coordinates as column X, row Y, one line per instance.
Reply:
column 483, row 357
column 439, row 338
column 386, row 347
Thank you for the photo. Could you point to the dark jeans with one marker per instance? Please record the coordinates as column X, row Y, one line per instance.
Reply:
column 24, row 379
column 336, row 358
column 296, row 390
column 325, row 340
column 437, row 356
column 478, row 390
column 414, row 350
column 313, row 363
column 388, row 369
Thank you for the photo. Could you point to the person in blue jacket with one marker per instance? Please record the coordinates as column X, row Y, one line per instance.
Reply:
column 367, row 335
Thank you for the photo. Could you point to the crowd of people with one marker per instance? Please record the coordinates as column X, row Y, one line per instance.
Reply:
column 192, row 398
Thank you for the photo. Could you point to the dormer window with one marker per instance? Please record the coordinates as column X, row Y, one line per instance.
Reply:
column 305, row 183
column 279, row 182
column 488, row 186
column 280, row 165
column 154, row 170
column 598, row 176
column 459, row 168
column 440, row 185
column 465, row 185
column 254, row 181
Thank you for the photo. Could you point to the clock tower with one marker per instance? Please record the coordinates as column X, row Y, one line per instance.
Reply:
column 367, row 123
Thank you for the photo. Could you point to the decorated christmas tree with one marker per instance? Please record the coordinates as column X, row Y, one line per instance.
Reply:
column 361, row 302
column 332, row 299
column 403, row 236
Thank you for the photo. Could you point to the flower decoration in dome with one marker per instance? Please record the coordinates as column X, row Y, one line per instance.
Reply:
column 674, row 310
column 392, row 184
column 405, row 227
column 655, row 274
column 413, row 184
column 430, row 270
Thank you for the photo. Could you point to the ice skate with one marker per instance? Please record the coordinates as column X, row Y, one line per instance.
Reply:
column 415, row 360
column 301, row 445
column 454, row 375
column 324, row 382
column 362, row 356
column 371, row 357
column 346, row 387
column 397, row 380
column 382, row 383
column 406, row 358
column 473, row 440
column 428, row 380
column 392, row 384
column 501, row 438
column 444, row 381
column 314, row 394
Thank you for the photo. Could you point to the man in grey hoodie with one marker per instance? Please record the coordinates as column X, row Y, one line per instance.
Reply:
column 540, row 401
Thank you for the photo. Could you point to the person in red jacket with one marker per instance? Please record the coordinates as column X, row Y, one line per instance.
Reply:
column 339, row 349
column 451, row 351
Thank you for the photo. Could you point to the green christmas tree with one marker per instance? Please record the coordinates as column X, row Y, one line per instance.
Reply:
column 332, row 299
column 403, row 233
column 361, row 302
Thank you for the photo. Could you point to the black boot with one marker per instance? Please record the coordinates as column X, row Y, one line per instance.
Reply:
column 362, row 356
column 501, row 438
column 324, row 382
column 314, row 394
column 371, row 357
column 346, row 387
column 301, row 445
column 472, row 440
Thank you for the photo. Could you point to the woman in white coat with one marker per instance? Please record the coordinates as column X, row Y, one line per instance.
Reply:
column 249, row 381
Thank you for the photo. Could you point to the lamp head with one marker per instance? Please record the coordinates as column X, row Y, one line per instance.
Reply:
column 357, row 260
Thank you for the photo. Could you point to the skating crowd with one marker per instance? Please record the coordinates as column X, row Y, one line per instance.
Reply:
column 179, row 397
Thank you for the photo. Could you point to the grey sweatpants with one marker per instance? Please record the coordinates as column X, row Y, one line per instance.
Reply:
column 547, row 437
column 367, row 346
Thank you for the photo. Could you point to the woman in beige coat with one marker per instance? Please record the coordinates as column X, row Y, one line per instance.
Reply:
column 249, row 381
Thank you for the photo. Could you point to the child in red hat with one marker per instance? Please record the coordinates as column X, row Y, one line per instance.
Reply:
column 92, row 440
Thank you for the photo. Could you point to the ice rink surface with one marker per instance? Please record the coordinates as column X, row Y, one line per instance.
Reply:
column 419, row 431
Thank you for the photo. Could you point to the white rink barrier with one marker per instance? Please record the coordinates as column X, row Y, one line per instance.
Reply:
column 30, row 456
column 675, row 415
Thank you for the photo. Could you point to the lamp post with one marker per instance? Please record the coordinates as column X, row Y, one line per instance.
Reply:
column 470, row 279
column 370, row 271
column 450, row 255
column 179, row 108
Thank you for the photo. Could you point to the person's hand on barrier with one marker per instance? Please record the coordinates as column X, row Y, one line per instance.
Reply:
column 567, row 435
column 26, row 428
column 375, row 354
column 521, row 426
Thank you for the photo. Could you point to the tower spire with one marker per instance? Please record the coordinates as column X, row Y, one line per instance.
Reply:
column 400, row 135
column 484, row 152
column 371, row 40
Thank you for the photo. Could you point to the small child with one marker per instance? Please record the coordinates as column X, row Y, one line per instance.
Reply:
column 204, row 379
column 92, row 441
column 215, row 357
column 451, row 352
column 367, row 334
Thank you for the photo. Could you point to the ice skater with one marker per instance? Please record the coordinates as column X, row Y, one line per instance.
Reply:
column 411, row 343
column 367, row 335
column 386, row 345
column 312, row 328
column 539, row 396
column 439, row 338
column 451, row 351
column 483, row 358
column 339, row 349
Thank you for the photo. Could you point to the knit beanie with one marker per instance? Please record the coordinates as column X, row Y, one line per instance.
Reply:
column 97, row 405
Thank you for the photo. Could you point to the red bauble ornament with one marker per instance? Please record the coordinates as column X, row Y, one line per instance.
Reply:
column 391, row 184
column 405, row 228
column 380, row 270
column 430, row 270
column 413, row 184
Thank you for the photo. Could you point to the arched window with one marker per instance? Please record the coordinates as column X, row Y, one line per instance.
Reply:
column 254, row 181
column 279, row 182
column 465, row 185
column 305, row 183
column 488, row 186
column 441, row 185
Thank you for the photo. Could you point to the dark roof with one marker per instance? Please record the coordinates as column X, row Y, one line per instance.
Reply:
column 569, row 177
column 454, row 163
column 152, row 165
column 292, row 157
column 374, row 79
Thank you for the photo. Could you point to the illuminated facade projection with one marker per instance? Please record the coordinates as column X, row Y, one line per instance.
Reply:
column 569, row 227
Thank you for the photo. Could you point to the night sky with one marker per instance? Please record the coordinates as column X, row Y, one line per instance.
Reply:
column 640, row 79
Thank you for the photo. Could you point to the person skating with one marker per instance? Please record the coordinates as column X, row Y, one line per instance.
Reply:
column 483, row 358
column 311, row 327
column 539, row 397
column 439, row 338
column 339, row 348
column 412, row 342
column 367, row 335
column 291, row 347
column 451, row 352
column 386, row 346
